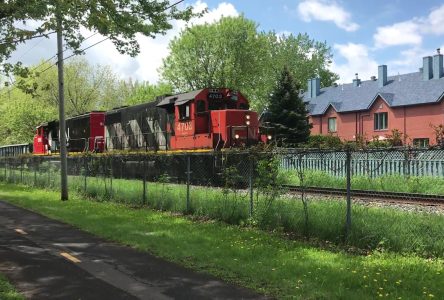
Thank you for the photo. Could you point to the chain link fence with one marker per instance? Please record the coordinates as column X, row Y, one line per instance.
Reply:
column 276, row 190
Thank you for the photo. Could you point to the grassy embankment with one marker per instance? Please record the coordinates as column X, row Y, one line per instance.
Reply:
column 372, row 228
column 7, row 291
column 244, row 255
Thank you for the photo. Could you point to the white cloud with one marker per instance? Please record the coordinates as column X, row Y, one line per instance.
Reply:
column 404, row 33
column 152, row 51
column 224, row 9
column 410, row 32
column 434, row 22
column 324, row 10
column 358, row 61
column 410, row 60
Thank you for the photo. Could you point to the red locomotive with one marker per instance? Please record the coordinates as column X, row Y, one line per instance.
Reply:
column 210, row 119
column 202, row 119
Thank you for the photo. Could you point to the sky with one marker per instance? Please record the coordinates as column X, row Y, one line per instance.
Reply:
column 361, row 34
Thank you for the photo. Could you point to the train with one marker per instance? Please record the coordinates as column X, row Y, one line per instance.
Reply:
column 205, row 119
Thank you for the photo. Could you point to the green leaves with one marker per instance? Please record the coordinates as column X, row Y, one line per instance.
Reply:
column 120, row 21
column 288, row 114
column 232, row 53
column 146, row 92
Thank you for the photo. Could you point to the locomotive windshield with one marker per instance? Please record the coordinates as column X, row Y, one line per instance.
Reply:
column 220, row 101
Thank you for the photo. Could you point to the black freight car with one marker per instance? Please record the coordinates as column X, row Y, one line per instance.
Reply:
column 139, row 127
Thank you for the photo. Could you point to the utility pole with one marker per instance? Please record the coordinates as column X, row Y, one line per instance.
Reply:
column 62, row 124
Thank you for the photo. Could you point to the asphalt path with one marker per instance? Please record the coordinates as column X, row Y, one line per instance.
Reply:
column 47, row 259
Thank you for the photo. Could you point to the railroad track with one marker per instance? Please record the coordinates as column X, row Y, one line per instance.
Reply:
column 374, row 195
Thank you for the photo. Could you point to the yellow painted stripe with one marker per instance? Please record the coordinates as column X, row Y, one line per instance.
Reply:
column 70, row 257
column 21, row 231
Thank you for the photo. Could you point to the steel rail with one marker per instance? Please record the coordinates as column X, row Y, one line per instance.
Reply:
column 383, row 195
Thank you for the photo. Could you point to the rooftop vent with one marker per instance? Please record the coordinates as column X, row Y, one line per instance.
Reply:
column 335, row 84
column 356, row 81
column 373, row 78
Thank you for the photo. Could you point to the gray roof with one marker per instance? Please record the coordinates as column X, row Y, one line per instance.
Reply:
column 179, row 99
column 400, row 90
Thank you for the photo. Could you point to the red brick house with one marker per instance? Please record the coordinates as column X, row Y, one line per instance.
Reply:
column 411, row 103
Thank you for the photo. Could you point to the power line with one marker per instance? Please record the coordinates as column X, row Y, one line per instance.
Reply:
column 12, row 86
column 84, row 49
column 173, row 5
column 105, row 39
column 29, row 50
column 4, row 41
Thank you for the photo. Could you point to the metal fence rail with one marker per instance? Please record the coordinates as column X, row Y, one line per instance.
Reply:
column 246, row 187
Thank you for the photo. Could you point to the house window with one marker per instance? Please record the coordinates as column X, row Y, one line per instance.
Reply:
column 381, row 121
column 421, row 142
column 184, row 112
column 331, row 124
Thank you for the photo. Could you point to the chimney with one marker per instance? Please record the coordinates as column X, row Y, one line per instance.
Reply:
column 382, row 75
column 437, row 65
column 315, row 87
column 357, row 81
column 373, row 78
column 427, row 70
column 309, row 93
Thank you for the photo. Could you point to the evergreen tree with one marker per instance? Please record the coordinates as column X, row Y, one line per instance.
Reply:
column 287, row 112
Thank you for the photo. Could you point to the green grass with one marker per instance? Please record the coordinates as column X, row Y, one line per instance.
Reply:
column 265, row 262
column 7, row 291
column 388, row 183
column 372, row 228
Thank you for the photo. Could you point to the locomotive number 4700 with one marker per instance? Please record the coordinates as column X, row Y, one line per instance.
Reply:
column 184, row 126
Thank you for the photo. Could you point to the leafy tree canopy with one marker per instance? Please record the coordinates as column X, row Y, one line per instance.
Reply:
column 119, row 20
column 222, row 54
column 287, row 112
column 87, row 87
column 146, row 92
column 232, row 53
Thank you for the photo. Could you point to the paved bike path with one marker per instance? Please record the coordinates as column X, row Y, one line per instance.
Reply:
column 47, row 259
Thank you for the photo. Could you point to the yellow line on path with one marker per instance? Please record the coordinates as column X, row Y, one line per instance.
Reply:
column 21, row 231
column 70, row 257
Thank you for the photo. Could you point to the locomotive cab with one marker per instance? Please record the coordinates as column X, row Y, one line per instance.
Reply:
column 211, row 119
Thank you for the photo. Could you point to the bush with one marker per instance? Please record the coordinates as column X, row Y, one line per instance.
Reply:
column 324, row 142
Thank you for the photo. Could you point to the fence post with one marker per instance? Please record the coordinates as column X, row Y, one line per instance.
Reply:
column 406, row 163
column 111, row 193
column 49, row 173
column 144, row 181
column 251, row 169
column 85, row 172
column 348, row 170
column 35, row 172
column 188, row 182
column 21, row 170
